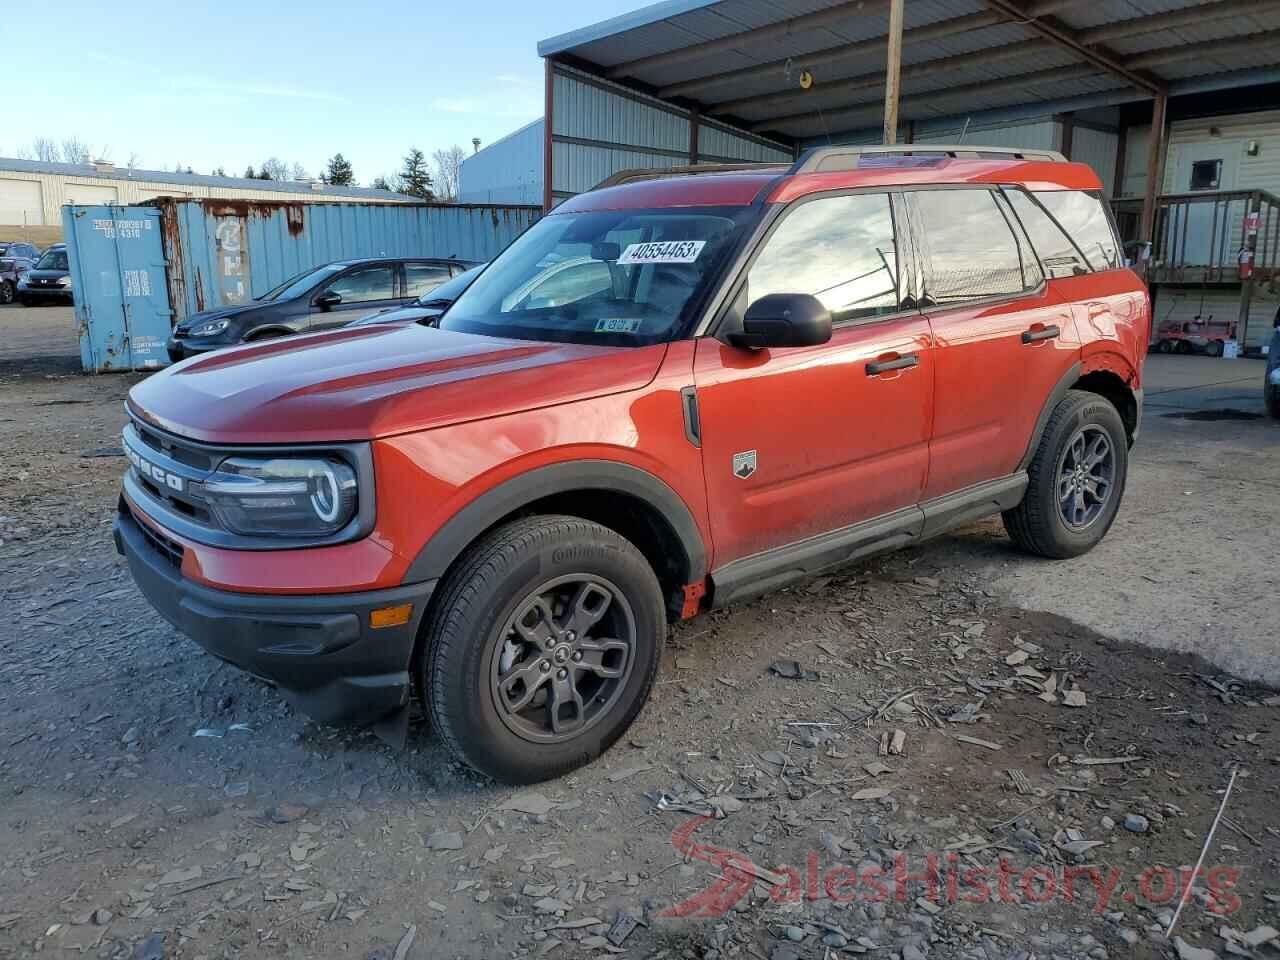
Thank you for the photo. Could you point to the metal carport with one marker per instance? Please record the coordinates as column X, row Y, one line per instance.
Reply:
column 689, row 81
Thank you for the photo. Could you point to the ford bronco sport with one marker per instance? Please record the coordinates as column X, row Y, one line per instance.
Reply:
column 668, row 395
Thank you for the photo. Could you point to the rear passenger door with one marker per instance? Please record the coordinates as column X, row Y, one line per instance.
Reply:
column 422, row 278
column 1002, row 338
column 802, row 441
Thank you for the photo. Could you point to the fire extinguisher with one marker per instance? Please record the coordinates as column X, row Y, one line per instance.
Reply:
column 1246, row 264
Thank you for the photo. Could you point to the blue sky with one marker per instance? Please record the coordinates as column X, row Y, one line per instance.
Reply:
column 232, row 83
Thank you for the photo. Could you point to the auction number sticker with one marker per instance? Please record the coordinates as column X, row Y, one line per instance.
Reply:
column 617, row 325
column 668, row 251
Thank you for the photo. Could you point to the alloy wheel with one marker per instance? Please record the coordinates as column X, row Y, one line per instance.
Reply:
column 563, row 658
column 1086, row 476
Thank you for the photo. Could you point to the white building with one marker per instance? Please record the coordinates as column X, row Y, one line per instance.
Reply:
column 33, row 192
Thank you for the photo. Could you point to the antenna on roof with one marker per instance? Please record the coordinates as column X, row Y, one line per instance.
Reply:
column 966, row 128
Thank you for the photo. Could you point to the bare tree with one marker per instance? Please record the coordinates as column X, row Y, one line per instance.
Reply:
column 75, row 150
column 448, row 165
column 298, row 172
column 46, row 149
column 134, row 160
column 24, row 153
column 273, row 168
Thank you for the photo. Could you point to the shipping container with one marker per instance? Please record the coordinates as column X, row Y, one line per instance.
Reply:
column 138, row 270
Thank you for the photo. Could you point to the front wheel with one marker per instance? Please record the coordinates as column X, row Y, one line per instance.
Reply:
column 542, row 647
column 1271, row 395
column 1077, row 478
column 6, row 291
column 1213, row 348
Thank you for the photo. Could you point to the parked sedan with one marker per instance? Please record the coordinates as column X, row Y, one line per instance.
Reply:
column 16, row 258
column 49, row 281
column 320, row 298
column 428, row 307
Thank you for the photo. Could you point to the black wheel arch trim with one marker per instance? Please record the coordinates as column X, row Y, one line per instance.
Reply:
column 1056, row 396
column 268, row 328
column 465, row 526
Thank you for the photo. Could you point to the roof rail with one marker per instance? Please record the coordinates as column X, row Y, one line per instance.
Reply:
column 660, row 173
column 827, row 159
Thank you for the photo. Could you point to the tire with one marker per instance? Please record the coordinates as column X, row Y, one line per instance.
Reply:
column 7, row 290
column 1181, row 346
column 1165, row 346
column 1213, row 348
column 473, row 658
column 1039, row 524
column 1271, row 396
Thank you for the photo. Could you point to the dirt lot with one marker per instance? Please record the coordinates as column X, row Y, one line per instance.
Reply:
column 155, row 803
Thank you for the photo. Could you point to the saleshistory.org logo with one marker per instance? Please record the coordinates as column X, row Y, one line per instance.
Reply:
column 939, row 878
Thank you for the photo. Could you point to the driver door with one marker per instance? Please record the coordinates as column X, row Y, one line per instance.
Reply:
column 361, row 290
column 799, row 442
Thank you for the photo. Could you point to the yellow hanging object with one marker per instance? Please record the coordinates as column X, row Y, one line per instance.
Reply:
column 806, row 79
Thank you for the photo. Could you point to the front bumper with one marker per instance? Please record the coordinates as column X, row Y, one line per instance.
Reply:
column 181, row 348
column 53, row 294
column 318, row 649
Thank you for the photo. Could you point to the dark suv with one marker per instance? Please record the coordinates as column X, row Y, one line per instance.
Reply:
column 666, row 396
column 317, row 299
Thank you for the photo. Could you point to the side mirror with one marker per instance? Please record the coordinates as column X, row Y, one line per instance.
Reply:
column 327, row 300
column 784, row 320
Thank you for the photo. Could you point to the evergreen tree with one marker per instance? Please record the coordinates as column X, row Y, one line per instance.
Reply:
column 415, row 180
column 339, row 172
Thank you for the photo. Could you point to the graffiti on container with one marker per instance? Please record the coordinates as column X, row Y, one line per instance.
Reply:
column 124, row 229
column 228, row 232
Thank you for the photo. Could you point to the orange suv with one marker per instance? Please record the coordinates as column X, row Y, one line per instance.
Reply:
column 669, row 394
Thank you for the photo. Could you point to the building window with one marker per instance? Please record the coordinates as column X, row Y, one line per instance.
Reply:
column 1206, row 174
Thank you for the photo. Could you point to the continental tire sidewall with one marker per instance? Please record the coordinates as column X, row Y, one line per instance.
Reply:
column 493, row 580
column 1085, row 410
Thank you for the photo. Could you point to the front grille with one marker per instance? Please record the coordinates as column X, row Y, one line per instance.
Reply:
column 172, row 447
column 169, row 550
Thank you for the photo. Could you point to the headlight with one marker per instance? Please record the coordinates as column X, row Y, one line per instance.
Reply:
column 64, row 281
column 209, row 328
column 283, row 497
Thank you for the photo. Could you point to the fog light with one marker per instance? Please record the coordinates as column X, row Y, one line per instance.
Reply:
column 396, row 616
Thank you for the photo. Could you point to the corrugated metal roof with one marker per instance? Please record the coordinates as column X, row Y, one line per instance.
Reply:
column 625, row 45
column 195, row 179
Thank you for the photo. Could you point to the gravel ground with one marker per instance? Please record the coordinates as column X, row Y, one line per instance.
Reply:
column 951, row 700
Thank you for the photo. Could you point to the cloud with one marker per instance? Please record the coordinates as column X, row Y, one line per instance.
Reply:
column 508, row 106
column 277, row 91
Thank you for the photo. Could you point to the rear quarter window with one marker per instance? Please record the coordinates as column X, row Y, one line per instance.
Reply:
column 1069, row 229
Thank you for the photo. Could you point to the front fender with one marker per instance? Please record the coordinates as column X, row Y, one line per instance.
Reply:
column 468, row 523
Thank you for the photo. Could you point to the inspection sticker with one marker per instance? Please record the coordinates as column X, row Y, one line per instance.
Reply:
column 669, row 251
column 617, row 325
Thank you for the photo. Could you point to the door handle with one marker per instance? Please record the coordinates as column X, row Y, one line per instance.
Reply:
column 877, row 367
column 1037, row 333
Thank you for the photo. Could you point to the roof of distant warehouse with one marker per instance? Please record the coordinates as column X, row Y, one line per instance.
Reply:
column 104, row 172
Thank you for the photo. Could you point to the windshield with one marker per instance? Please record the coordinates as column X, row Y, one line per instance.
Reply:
column 620, row 278
column 449, row 291
column 53, row 260
column 303, row 282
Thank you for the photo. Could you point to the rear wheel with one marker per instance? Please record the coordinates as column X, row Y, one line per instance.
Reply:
column 542, row 647
column 1213, row 348
column 1165, row 346
column 6, row 291
column 1077, row 478
column 1271, row 395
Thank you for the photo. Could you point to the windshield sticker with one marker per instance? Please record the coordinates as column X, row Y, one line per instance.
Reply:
column 670, row 251
column 618, row 325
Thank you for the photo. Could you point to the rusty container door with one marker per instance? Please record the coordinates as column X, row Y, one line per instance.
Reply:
column 118, row 281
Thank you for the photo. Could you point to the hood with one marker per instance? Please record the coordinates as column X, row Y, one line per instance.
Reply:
column 397, row 315
column 380, row 380
column 217, row 313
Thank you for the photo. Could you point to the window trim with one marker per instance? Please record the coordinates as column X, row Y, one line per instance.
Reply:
column 396, row 281
column 737, row 276
column 997, row 300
